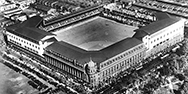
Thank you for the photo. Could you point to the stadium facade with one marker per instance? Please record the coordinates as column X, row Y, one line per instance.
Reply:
column 105, row 61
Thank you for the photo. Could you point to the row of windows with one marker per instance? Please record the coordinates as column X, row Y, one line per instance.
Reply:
column 168, row 43
column 166, row 34
column 123, row 65
column 160, row 43
column 122, row 56
column 74, row 62
column 15, row 42
column 25, row 46
column 31, row 49
column 16, row 38
column 64, row 67
column 26, row 38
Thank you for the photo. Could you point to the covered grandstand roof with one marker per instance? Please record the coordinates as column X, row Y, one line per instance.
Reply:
column 161, row 15
column 155, row 26
column 32, row 22
column 83, row 56
column 33, row 33
column 29, row 29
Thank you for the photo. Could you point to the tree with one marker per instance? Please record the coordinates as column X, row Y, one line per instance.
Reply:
column 172, row 56
column 147, row 89
column 182, row 62
column 173, row 62
column 181, row 77
column 185, row 88
column 185, row 72
column 184, row 48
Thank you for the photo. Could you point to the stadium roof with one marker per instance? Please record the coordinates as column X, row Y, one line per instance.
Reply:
column 33, row 33
column 29, row 29
column 161, row 15
column 83, row 56
column 32, row 22
column 42, row 7
column 155, row 26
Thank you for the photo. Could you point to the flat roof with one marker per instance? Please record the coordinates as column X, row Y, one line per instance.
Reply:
column 95, row 34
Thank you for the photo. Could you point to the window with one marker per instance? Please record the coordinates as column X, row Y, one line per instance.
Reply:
column 107, row 63
column 121, row 56
column 124, row 54
column 101, row 66
column 104, row 64
column 113, row 60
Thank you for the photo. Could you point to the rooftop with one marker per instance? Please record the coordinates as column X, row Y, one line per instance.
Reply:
column 156, row 26
column 95, row 34
column 83, row 56
column 29, row 29
column 42, row 8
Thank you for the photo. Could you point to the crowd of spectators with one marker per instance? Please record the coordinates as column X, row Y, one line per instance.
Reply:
column 139, row 13
column 72, row 20
column 130, row 15
column 125, row 19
